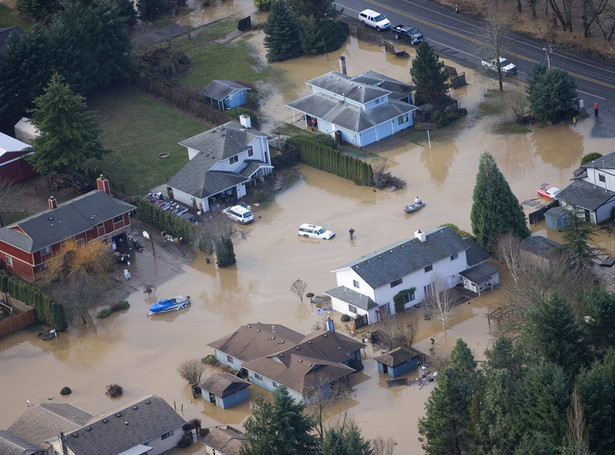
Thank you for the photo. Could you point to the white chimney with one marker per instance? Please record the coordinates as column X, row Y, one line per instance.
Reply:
column 245, row 121
column 420, row 235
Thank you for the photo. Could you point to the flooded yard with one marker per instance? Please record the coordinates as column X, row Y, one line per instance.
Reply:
column 142, row 353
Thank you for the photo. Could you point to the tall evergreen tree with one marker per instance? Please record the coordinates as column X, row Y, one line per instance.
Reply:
column 279, row 428
column 446, row 428
column 346, row 441
column 495, row 210
column 281, row 34
column 600, row 307
column 69, row 133
column 428, row 76
column 504, row 354
column 577, row 237
column 552, row 94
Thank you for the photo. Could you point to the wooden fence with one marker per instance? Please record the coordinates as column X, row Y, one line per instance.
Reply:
column 16, row 323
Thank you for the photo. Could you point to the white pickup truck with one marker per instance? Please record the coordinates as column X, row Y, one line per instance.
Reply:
column 508, row 69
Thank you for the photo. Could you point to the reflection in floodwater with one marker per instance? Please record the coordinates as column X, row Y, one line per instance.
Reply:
column 142, row 353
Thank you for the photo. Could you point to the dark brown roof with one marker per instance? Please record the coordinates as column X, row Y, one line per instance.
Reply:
column 332, row 346
column 223, row 384
column 227, row 441
column 252, row 341
column 397, row 356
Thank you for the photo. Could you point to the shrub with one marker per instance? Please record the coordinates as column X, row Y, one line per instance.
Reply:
column 121, row 305
column 345, row 318
column 185, row 441
column 209, row 359
column 191, row 370
column 225, row 252
column 590, row 157
column 309, row 295
column 104, row 313
column 66, row 391
column 114, row 390
column 398, row 299
column 258, row 196
column 238, row 111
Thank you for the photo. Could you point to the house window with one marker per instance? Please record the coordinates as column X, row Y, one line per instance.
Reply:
column 100, row 225
column 406, row 298
column 396, row 283
column 355, row 283
column 402, row 119
column 429, row 268
column 428, row 290
column 46, row 250
column 118, row 218
column 229, row 359
column 601, row 177
column 9, row 261
column 258, row 376
column 377, row 101
column 233, row 159
column 167, row 435
column 276, row 385
column 454, row 256
column 352, row 309
column 251, row 151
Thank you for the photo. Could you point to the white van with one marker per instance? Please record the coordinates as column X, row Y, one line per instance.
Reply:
column 374, row 19
column 315, row 232
column 239, row 213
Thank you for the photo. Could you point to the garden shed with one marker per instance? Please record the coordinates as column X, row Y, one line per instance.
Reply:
column 398, row 361
column 224, row 389
column 557, row 218
column 228, row 94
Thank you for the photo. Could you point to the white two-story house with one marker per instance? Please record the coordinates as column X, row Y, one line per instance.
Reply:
column 361, row 110
column 413, row 268
column 223, row 161
column 592, row 190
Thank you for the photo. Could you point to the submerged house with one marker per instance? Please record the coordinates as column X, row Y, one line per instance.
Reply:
column 227, row 94
column 224, row 161
column 360, row 110
column 274, row 355
column 411, row 269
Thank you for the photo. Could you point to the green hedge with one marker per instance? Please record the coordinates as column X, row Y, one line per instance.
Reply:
column 330, row 160
column 47, row 311
column 165, row 220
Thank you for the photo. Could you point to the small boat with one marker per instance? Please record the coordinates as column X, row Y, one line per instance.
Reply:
column 172, row 304
column 414, row 207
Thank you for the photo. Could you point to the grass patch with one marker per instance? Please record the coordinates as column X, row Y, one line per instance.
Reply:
column 286, row 129
column 9, row 18
column 12, row 217
column 419, row 137
column 138, row 128
column 494, row 107
column 218, row 61
column 511, row 128
column 217, row 30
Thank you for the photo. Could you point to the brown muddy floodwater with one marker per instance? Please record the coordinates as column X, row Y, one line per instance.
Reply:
column 142, row 354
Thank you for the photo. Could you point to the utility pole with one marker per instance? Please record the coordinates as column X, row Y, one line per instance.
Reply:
column 548, row 51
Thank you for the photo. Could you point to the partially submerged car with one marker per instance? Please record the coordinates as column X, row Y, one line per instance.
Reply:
column 314, row 231
column 239, row 213
column 548, row 191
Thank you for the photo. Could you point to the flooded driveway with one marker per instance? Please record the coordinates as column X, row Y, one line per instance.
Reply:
column 142, row 353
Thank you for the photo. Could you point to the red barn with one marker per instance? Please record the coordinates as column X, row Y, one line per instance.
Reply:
column 13, row 165
column 27, row 245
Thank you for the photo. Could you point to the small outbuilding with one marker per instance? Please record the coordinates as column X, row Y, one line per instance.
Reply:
column 557, row 218
column 228, row 94
column 398, row 361
column 224, row 389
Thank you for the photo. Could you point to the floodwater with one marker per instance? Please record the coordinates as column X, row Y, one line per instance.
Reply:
column 142, row 353
column 201, row 14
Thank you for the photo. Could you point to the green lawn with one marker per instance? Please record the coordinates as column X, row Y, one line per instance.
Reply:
column 9, row 17
column 138, row 128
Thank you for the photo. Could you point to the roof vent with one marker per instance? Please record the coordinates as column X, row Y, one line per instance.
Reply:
column 297, row 348
column 282, row 342
column 258, row 330
column 310, row 342
column 126, row 423
column 75, row 435
column 324, row 335
column 118, row 415
column 309, row 364
column 105, row 420
column 249, row 326
column 282, row 355
column 273, row 337
column 300, row 360
column 88, row 429
column 135, row 407
column 147, row 401
column 339, row 348
column 50, row 218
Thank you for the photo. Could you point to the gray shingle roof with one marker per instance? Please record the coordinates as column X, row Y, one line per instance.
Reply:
column 11, row 444
column 252, row 166
column 540, row 246
column 352, row 297
column 226, row 441
column 220, row 89
column 223, row 384
column 397, row 88
column 347, row 115
column 479, row 273
column 406, row 256
column 475, row 254
column 196, row 180
column 147, row 419
column 606, row 161
column 343, row 85
column 585, row 195
column 66, row 220
column 44, row 421
column 223, row 141
column 397, row 356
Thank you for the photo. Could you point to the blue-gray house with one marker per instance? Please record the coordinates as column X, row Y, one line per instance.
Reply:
column 224, row 389
column 364, row 109
column 228, row 94
column 398, row 361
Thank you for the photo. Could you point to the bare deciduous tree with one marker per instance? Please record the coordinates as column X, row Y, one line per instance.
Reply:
column 191, row 370
column 576, row 432
column 298, row 287
column 395, row 332
column 381, row 446
column 519, row 104
column 320, row 393
column 493, row 37
column 508, row 253
column 440, row 301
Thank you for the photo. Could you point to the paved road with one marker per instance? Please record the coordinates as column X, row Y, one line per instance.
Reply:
column 458, row 38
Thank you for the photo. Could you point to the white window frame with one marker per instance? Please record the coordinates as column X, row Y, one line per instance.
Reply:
column 9, row 261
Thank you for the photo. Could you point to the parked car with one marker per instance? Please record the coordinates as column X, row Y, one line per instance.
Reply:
column 407, row 33
column 374, row 19
column 239, row 213
column 548, row 191
column 508, row 68
column 314, row 231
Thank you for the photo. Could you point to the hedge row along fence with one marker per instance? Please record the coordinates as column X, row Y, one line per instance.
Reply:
column 330, row 160
column 165, row 221
column 47, row 311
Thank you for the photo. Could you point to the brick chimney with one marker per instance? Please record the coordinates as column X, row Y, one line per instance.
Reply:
column 52, row 203
column 103, row 184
